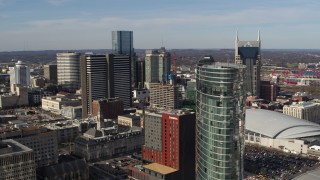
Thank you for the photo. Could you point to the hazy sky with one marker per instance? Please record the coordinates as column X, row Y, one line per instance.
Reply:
column 87, row 24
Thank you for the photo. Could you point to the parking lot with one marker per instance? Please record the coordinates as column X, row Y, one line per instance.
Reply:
column 117, row 168
column 273, row 164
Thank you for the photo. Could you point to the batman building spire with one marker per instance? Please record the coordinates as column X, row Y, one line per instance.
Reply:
column 249, row 53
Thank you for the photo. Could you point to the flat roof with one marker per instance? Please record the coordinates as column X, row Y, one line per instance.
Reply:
column 303, row 105
column 162, row 169
column 16, row 147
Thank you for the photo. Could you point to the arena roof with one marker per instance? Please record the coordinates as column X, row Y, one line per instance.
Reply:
column 279, row 126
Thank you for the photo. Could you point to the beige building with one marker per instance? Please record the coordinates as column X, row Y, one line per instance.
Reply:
column 15, row 100
column 40, row 139
column 68, row 70
column 129, row 120
column 165, row 95
column 94, row 144
column 66, row 131
column 55, row 103
column 303, row 110
column 16, row 161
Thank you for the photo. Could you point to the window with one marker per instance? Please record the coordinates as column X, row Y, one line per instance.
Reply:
column 219, row 104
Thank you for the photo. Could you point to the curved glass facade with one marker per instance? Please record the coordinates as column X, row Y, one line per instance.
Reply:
column 220, row 115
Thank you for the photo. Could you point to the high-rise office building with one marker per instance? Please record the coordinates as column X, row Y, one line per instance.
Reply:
column 170, row 140
column 268, row 90
column 249, row 53
column 105, row 76
column 50, row 73
column 122, row 44
column 68, row 70
column 140, row 73
column 157, row 65
column 16, row 160
column 19, row 75
column 119, row 73
column 94, row 80
column 220, row 120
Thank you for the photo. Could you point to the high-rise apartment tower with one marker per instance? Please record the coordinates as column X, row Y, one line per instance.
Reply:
column 19, row 75
column 220, row 120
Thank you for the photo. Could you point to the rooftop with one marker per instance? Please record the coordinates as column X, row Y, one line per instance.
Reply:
column 283, row 126
column 302, row 105
column 160, row 168
column 14, row 146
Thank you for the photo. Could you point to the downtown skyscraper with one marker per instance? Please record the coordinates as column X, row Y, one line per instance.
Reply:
column 94, row 80
column 122, row 44
column 157, row 65
column 68, row 70
column 220, row 120
column 249, row 53
column 105, row 76
column 19, row 75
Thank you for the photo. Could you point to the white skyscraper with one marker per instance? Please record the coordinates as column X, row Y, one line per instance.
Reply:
column 68, row 70
column 19, row 75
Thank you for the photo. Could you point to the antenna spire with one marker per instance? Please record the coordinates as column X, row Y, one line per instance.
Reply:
column 237, row 38
column 259, row 35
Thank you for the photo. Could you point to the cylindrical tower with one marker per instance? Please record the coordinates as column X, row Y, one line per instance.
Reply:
column 68, row 70
column 220, row 121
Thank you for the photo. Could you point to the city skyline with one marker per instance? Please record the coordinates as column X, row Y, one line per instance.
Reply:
column 70, row 24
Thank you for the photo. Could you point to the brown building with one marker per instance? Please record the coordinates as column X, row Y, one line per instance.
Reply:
column 268, row 90
column 50, row 73
column 109, row 108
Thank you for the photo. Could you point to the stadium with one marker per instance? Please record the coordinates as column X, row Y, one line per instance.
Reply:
column 277, row 130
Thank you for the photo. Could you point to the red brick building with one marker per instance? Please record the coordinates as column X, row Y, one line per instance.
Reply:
column 170, row 141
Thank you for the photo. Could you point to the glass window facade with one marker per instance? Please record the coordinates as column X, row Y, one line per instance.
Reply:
column 220, row 113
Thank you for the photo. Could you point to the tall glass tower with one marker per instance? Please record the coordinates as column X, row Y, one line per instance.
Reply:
column 122, row 42
column 220, row 121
